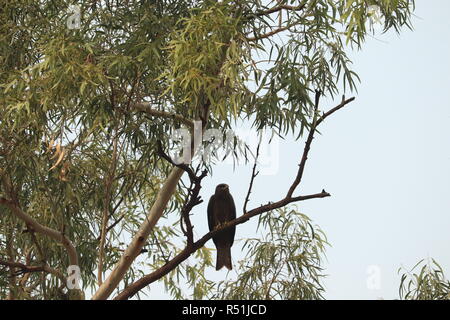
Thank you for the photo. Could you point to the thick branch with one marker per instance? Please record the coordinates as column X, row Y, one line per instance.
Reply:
column 146, row 107
column 138, row 241
column 37, row 227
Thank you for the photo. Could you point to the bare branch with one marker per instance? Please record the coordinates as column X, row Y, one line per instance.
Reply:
column 254, row 174
column 310, row 138
column 343, row 103
column 301, row 166
column 193, row 199
column 182, row 166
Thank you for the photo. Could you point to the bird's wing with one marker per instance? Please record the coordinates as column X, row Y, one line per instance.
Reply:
column 230, row 216
column 232, row 209
column 211, row 218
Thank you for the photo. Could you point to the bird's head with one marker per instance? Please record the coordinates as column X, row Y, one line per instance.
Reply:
column 222, row 188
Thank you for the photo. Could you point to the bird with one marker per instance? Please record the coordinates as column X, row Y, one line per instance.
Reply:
column 221, row 209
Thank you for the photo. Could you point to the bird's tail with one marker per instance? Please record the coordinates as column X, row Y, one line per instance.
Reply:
column 223, row 258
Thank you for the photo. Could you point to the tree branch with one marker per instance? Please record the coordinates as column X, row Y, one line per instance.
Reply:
column 33, row 225
column 12, row 278
column 156, row 211
column 24, row 269
column 192, row 198
column 273, row 32
column 182, row 166
column 106, row 208
column 343, row 103
column 254, row 174
column 312, row 130
column 146, row 108
column 115, row 223
column 138, row 241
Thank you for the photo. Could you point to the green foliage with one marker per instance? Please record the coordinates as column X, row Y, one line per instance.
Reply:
column 72, row 87
column 207, row 60
column 191, row 275
column 429, row 283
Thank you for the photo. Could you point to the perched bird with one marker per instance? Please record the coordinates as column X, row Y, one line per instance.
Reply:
column 221, row 209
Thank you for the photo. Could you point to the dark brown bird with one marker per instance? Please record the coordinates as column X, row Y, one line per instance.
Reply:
column 221, row 209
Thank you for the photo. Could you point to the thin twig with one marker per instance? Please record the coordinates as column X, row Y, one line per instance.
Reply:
column 183, row 166
column 273, row 32
column 254, row 174
column 113, row 224
column 106, row 207
column 316, row 122
column 301, row 166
